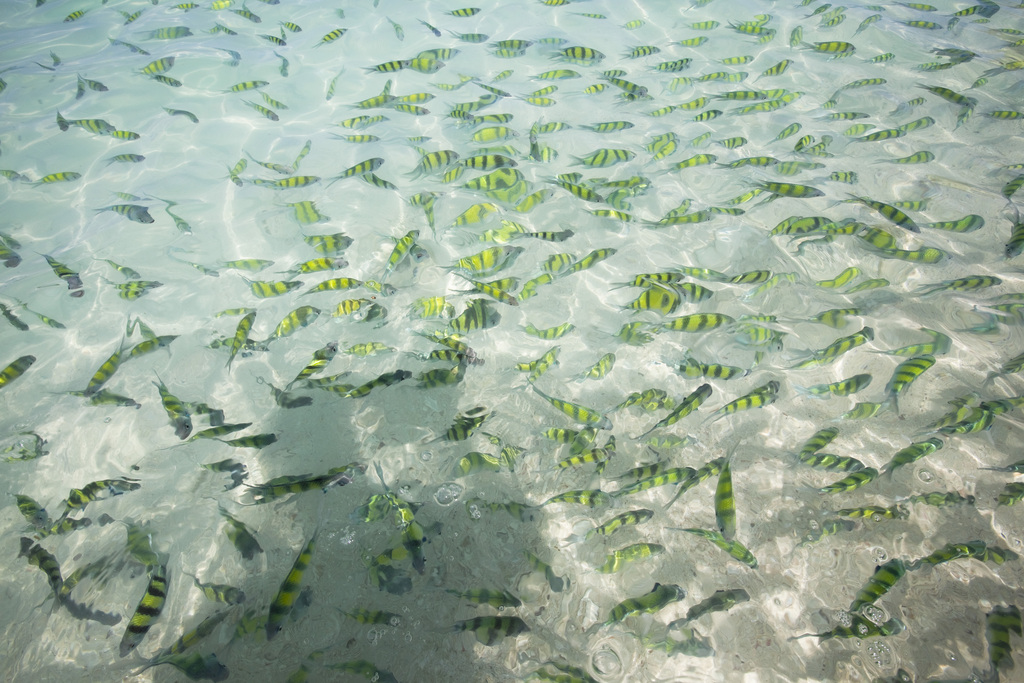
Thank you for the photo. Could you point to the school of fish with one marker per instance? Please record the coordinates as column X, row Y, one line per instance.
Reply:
column 587, row 271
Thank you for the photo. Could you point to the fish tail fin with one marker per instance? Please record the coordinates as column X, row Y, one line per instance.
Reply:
column 573, row 539
column 804, row 391
column 890, row 402
column 674, row 498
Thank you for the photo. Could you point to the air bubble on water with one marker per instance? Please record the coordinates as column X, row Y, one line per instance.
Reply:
column 373, row 636
column 405, row 489
column 925, row 476
column 880, row 555
column 880, row 654
column 346, row 536
column 474, row 511
column 395, row 620
column 408, row 637
column 106, row 420
column 862, row 629
column 425, row 456
column 448, row 493
column 606, row 662
column 845, row 619
column 873, row 613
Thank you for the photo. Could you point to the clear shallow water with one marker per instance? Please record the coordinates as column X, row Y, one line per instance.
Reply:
column 793, row 590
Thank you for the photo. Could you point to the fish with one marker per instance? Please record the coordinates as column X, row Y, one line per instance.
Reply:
column 476, row 462
column 840, row 346
column 617, row 559
column 722, row 600
column 235, row 470
column 74, row 282
column 105, row 371
column 830, row 461
column 621, row 521
column 861, row 627
column 47, row 563
column 820, row 439
column 479, row 315
column 998, row 624
column 32, row 511
column 853, row 481
column 489, row 630
column 912, row 453
column 827, row 528
column 764, row 395
column 888, row 211
column 484, row 596
column 286, row 183
column 556, row 583
column 301, row 317
column 697, row 322
column 520, row 511
column 383, row 380
column 660, row 477
column 969, row 283
column 176, row 411
column 790, row 190
column 939, row 345
column 489, row 261
column 78, row 498
column 658, row 598
column 948, row 553
column 649, row 399
column 256, row 441
column 940, row 499
column 322, row 357
column 905, row 374
column 589, row 497
column 1011, row 494
column 843, row 387
column 874, row 512
column 686, row 406
column 240, row 536
column 241, row 335
column 884, row 578
column 365, row 616
column 735, row 549
column 217, row 592
column 286, row 596
column 725, row 505
column 580, row 413
column 695, row 477
column 148, row 610
column 16, row 369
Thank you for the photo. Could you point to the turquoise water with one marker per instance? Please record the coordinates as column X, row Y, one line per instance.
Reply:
column 967, row 160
